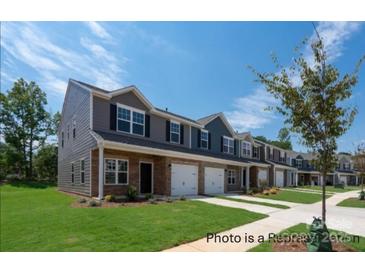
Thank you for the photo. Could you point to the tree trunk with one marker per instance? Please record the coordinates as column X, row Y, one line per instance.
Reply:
column 31, row 159
column 324, row 197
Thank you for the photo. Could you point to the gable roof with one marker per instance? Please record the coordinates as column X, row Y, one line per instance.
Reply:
column 206, row 120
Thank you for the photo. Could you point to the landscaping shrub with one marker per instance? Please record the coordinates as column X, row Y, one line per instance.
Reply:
column 132, row 193
column 249, row 192
column 340, row 185
column 266, row 192
column 148, row 196
column 109, row 198
column 169, row 200
column 82, row 200
column 273, row 191
column 182, row 198
column 152, row 201
column 93, row 203
column 362, row 195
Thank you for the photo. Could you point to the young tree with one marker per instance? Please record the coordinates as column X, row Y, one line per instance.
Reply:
column 24, row 121
column 314, row 107
column 359, row 163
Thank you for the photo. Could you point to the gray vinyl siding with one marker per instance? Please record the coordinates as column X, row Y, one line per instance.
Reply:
column 101, row 118
column 76, row 106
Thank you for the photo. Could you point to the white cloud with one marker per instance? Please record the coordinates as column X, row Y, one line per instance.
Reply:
column 98, row 30
column 55, row 63
column 249, row 113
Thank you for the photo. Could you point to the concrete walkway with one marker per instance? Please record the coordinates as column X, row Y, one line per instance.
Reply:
column 256, row 199
column 350, row 220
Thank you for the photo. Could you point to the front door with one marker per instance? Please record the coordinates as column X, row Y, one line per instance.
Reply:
column 146, row 177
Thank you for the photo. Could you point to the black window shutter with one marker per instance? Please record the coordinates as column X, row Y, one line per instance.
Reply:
column 113, row 117
column 221, row 143
column 181, row 134
column 167, row 130
column 199, row 137
column 209, row 141
column 147, row 125
column 235, row 147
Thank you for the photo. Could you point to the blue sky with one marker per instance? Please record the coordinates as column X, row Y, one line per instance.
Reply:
column 193, row 68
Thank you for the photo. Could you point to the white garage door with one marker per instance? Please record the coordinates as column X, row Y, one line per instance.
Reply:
column 184, row 180
column 279, row 178
column 213, row 180
column 262, row 175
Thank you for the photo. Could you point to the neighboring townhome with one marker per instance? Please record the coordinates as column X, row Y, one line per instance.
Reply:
column 112, row 140
column 345, row 172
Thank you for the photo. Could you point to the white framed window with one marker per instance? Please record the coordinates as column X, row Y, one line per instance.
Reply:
column 72, row 173
column 299, row 163
column 74, row 129
column 204, row 139
column 246, row 149
column 174, row 132
column 231, row 177
column 115, row 172
column 271, row 155
column 82, row 171
column 255, row 152
column 130, row 120
column 228, row 145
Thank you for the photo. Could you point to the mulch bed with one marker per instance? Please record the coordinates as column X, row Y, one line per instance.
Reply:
column 301, row 247
column 104, row 204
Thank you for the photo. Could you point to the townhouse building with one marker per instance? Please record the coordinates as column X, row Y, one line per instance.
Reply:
column 111, row 140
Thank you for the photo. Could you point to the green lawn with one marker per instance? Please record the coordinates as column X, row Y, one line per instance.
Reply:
column 302, row 228
column 253, row 202
column 332, row 188
column 293, row 196
column 352, row 202
column 42, row 220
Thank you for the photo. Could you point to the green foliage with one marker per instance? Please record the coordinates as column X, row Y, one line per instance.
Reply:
column 148, row 196
column 11, row 161
column 45, row 163
column 25, row 122
column 93, row 203
column 109, row 198
column 82, row 200
column 282, row 142
column 132, row 193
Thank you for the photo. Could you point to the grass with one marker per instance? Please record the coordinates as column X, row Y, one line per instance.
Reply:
column 352, row 202
column 254, row 202
column 34, row 219
column 332, row 188
column 294, row 196
column 267, row 246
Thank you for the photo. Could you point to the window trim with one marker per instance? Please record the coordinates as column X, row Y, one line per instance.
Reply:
column 82, row 171
column 301, row 163
column 177, row 123
column 257, row 152
column 116, row 171
column 201, row 139
column 229, row 139
column 250, row 145
column 231, row 174
column 132, row 110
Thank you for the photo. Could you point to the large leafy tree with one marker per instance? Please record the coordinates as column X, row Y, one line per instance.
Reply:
column 359, row 163
column 313, row 106
column 45, row 163
column 25, row 123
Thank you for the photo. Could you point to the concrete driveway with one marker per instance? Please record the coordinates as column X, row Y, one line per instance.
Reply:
column 350, row 220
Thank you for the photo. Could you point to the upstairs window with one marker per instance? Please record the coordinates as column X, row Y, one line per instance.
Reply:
column 271, row 155
column 299, row 163
column 255, row 152
column 82, row 171
column 246, row 149
column 231, row 177
column 175, row 132
column 74, row 129
column 204, row 139
column 72, row 173
column 228, row 145
column 346, row 166
column 130, row 120
column 116, row 172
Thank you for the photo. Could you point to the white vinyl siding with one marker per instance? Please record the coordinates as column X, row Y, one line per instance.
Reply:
column 116, row 172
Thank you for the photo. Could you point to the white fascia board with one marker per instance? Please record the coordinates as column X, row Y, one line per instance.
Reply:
column 309, row 172
column 259, row 164
column 283, row 167
column 169, row 153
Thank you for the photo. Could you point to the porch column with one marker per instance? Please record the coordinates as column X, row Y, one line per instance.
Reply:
column 273, row 176
column 101, row 172
column 296, row 178
column 247, row 179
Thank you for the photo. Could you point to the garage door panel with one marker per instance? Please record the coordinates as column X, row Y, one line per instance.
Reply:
column 184, row 180
column 279, row 178
column 213, row 180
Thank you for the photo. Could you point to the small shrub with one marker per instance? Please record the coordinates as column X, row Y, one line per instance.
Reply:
column 148, row 196
column 273, row 191
column 132, row 193
column 169, row 200
column 93, row 203
column 362, row 195
column 82, row 200
column 250, row 192
column 182, row 198
column 152, row 201
column 266, row 192
column 109, row 198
